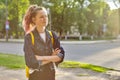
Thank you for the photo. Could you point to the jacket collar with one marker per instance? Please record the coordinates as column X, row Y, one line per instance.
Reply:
column 48, row 36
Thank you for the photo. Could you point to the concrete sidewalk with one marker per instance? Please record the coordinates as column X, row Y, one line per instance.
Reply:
column 66, row 42
column 63, row 74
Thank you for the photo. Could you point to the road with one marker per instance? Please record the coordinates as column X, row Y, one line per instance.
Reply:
column 104, row 54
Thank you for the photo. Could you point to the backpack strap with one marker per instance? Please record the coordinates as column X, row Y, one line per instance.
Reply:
column 52, row 39
column 32, row 37
column 26, row 67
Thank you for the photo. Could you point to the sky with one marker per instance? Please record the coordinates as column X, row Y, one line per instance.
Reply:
column 112, row 5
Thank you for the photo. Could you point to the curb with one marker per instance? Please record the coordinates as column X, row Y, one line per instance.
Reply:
column 64, row 42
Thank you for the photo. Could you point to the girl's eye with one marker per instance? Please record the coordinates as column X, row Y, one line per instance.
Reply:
column 41, row 17
column 44, row 16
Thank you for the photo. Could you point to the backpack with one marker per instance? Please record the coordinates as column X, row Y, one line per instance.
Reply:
column 32, row 37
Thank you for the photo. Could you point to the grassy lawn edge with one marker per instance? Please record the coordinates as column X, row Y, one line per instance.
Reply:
column 75, row 64
column 12, row 61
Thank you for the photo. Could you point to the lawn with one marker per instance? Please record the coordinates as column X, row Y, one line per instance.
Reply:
column 17, row 62
column 12, row 61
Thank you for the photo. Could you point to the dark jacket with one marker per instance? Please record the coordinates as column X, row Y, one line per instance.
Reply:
column 40, row 48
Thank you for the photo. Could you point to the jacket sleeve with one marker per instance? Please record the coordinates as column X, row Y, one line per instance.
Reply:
column 30, row 59
column 57, row 45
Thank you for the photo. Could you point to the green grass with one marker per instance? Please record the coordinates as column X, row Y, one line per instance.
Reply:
column 74, row 64
column 12, row 61
column 17, row 62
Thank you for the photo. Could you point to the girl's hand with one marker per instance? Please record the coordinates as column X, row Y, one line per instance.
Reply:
column 56, row 51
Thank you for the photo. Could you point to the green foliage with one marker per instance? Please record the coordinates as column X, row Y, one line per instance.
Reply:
column 113, row 23
column 96, row 15
column 38, row 2
column 2, row 15
column 17, row 10
column 13, row 10
column 67, row 13
column 88, row 16
column 22, row 6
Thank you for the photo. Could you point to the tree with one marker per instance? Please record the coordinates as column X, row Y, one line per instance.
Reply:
column 96, row 16
column 117, row 4
column 2, row 16
column 38, row 2
column 16, row 9
column 60, row 13
column 81, row 16
column 113, row 23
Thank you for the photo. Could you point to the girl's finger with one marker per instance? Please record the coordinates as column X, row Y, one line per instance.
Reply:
column 56, row 49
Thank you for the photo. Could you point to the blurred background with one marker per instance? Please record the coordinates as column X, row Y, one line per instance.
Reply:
column 71, row 19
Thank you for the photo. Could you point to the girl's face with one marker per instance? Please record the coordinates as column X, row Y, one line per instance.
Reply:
column 41, row 18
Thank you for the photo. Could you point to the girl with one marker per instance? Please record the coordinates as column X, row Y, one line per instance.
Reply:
column 40, row 56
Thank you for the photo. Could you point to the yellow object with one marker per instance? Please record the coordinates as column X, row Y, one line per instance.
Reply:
column 52, row 39
column 26, row 67
column 27, row 71
column 32, row 37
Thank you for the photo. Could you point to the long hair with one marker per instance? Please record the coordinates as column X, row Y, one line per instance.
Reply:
column 30, row 13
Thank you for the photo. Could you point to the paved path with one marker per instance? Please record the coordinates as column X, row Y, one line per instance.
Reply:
column 63, row 74
column 66, row 42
